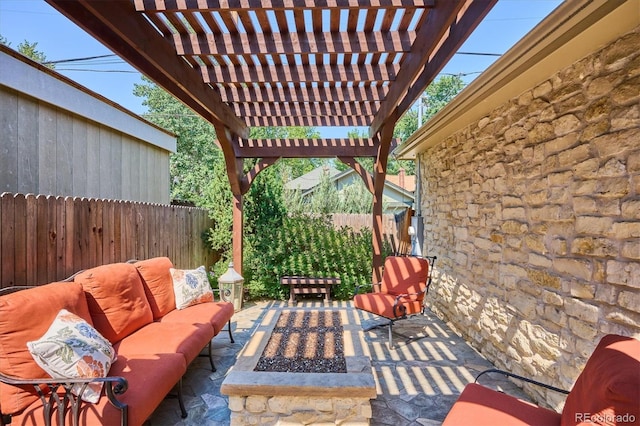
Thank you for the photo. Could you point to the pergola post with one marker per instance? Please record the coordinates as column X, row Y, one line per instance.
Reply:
column 238, row 219
column 379, row 176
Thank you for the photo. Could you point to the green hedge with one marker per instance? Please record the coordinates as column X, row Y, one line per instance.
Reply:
column 308, row 246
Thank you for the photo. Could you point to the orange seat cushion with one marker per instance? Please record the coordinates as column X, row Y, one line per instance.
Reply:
column 382, row 304
column 607, row 391
column 479, row 405
column 116, row 298
column 25, row 316
column 160, row 338
column 217, row 314
column 158, row 285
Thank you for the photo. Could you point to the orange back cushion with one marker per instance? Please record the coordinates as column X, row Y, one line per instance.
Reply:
column 25, row 316
column 158, row 285
column 608, row 389
column 404, row 275
column 116, row 298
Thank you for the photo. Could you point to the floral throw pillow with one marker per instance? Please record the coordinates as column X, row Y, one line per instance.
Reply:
column 72, row 348
column 191, row 287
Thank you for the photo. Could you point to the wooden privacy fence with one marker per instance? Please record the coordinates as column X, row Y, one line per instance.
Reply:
column 47, row 238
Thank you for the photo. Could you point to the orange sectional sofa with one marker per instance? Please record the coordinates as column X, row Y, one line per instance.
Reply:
column 607, row 392
column 132, row 305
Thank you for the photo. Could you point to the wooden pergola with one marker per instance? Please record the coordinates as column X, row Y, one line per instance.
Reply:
column 246, row 63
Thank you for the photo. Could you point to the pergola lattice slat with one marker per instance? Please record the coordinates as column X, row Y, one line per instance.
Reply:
column 305, row 109
column 302, row 94
column 293, row 43
column 305, row 73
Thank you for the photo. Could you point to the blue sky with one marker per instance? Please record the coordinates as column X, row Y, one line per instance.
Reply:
column 58, row 38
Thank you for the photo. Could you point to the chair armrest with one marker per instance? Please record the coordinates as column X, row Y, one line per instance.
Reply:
column 524, row 379
column 399, row 310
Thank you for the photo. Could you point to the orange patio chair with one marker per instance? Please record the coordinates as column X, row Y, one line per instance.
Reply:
column 401, row 293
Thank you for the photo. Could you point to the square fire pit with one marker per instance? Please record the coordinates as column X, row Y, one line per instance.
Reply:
column 302, row 366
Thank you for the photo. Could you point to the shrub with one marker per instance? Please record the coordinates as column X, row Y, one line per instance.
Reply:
column 309, row 246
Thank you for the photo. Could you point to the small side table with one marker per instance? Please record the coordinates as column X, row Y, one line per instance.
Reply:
column 309, row 285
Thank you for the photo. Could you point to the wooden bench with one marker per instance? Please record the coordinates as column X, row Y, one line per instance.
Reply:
column 309, row 285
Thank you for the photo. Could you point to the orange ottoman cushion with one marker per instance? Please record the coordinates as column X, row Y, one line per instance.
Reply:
column 479, row 405
column 116, row 299
column 26, row 316
column 158, row 285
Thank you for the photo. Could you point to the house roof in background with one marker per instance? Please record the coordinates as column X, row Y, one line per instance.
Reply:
column 311, row 179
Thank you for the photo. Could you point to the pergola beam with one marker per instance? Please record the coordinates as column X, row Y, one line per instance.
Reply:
column 308, row 148
column 235, row 5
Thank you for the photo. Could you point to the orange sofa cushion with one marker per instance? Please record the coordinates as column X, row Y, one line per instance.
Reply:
column 608, row 389
column 25, row 316
column 479, row 405
column 158, row 285
column 161, row 338
column 216, row 314
column 116, row 298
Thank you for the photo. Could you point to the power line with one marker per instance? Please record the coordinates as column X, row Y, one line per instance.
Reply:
column 60, row 61
column 90, row 70
column 479, row 54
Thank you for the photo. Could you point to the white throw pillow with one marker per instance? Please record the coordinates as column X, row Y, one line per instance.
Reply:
column 72, row 348
column 191, row 287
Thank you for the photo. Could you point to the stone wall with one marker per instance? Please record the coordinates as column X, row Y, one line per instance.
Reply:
column 534, row 214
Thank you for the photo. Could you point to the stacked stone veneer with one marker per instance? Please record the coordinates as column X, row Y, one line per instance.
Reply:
column 290, row 410
column 534, row 214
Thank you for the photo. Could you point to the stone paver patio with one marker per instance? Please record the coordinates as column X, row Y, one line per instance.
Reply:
column 417, row 382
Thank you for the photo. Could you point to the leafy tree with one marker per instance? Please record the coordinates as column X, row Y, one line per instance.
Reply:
column 435, row 97
column 356, row 198
column 440, row 93
column 29, row 50
column 193, row 165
